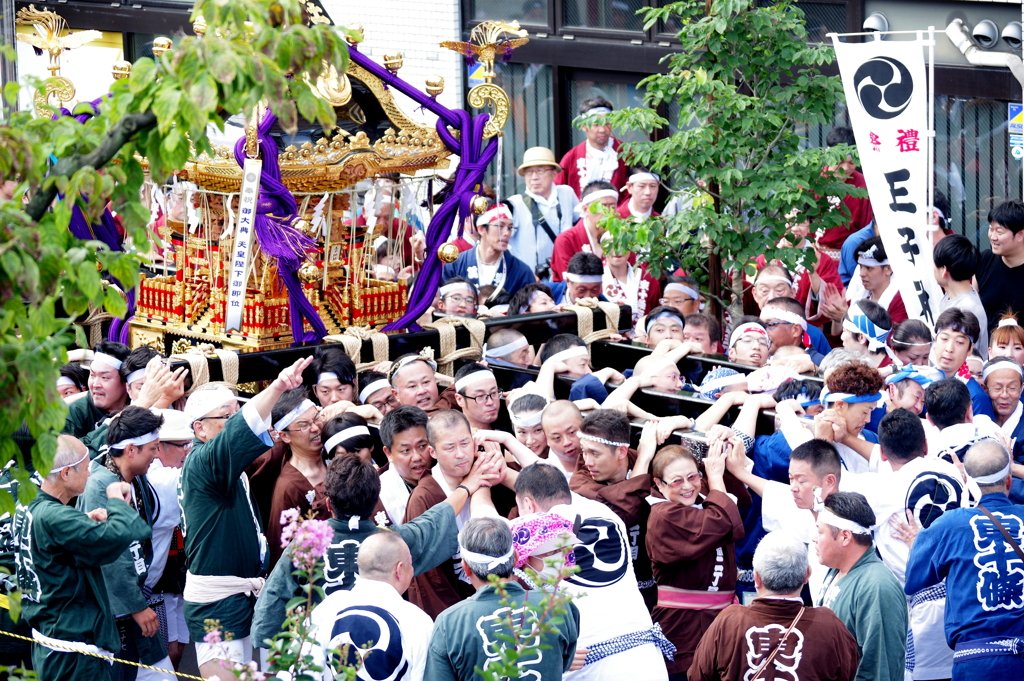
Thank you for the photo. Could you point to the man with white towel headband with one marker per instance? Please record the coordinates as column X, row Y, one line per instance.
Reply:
column 585, row 236
column 643, row 188
column 596, row 158
column 107, row 392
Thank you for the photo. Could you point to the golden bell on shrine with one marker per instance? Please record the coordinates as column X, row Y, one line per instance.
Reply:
column 309, row 273
column 305, row 227
column 161, row 45
column 479, row 205
column 448, row 253
column 393, row 62
column 435, row 85
column 199, row 26
column 122, row 69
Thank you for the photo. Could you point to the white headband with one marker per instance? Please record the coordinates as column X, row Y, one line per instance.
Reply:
column 867, row 258
column 1001, row 364
column 347, row 434
column 469, row 379
column 448, row 288
column 773, row 277
column 584, row 278
column 139, row 441
column 104, row 358
column 722, row 382
column 994, row 478
column 1011, row 321
column 497, row 213
column 569, row 353
column 598, row 195
column 597, row 110
column 135, row 375
column 594, row 438
column 829, row 518
column 784, row 315
column 480, row 559
column 70, row 465
column 287, row 419
column 643, row 177
column 506, row 349
column 64, row 380
column 527, row 421
column 664, row 314
column 749, row 327
column 402, row 363
column 379, row 384
column 326, row 376
column 683, row 288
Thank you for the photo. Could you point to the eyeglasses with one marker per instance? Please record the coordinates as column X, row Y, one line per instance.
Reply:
column 693, row 479
column 184, row 446
column 215, row 418
column 305, row 426
column 675, row 302
column 774, row 325
column 489, row 397
column 459, row 300
column 1005, row 390
column 747, row 340
column 389, row 401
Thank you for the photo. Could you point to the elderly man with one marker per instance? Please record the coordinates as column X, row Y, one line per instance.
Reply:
column 978, row 552
column 61, row 552
column 224, row 542
column 470, row 635
column 860, row 589
column 387, row 634
column 811, row 643
column 596, row 158
column 585, row 236
column 543, row 211
column 107, row 392
column 133, row 441
column 643, row 188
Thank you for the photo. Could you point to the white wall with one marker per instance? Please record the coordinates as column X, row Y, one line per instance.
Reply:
column 414, row 28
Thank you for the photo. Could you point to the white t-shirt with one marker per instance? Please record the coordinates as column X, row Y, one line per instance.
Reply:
column 164, row 481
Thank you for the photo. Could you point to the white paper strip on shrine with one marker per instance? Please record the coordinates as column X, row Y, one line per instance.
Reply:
column 235, row 304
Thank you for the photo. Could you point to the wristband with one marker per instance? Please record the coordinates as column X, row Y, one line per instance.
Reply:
column 465, row 488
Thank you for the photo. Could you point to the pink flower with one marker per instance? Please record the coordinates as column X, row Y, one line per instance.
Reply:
column 309, row 542
column 288, row 519
column 212, row 636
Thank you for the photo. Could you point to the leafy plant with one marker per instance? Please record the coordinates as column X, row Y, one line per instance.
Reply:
column 253, row 51
column 746, row 85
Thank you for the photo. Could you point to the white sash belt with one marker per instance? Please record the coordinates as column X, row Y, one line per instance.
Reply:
column 68, row 646
column 211, row 588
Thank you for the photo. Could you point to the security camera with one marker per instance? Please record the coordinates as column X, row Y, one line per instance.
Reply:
column 1011, row 35
column 986, row 34
column 876, row 22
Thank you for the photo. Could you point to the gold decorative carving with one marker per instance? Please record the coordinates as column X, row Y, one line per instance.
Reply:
column 489, row 92
column 50, row 25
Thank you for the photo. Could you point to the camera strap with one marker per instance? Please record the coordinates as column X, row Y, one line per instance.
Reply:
column 539, row 219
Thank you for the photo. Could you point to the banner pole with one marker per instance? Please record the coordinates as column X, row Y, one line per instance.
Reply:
column 931, row 126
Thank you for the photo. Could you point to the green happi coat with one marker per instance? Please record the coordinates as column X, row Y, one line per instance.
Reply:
column 223, row 533
column 432, row 538
column 61, row 552
column 83, row 417
column 126, row 576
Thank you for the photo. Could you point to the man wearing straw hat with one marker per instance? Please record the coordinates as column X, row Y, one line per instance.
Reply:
column 543, row 211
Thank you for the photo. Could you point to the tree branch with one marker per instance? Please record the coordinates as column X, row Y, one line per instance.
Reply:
column 117, row 137
column 768, row 149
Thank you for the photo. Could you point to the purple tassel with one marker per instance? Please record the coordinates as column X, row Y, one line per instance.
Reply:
column 275, row 210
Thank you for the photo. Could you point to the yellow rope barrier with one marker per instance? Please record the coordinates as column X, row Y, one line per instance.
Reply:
column 104, row 657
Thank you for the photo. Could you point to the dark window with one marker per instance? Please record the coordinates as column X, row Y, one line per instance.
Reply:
column 614, row 15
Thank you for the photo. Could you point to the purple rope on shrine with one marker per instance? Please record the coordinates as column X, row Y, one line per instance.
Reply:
column 275, row 209
column 105, row 230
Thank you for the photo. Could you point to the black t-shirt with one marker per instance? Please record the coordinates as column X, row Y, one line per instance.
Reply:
column 1000, row 287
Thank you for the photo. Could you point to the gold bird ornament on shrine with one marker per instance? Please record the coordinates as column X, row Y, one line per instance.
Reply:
column 486, row 44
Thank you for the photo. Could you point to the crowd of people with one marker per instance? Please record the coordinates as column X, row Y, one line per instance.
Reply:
column 871, row 530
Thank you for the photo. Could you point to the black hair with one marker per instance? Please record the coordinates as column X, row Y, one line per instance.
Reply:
column 466, row 370
column 585, row 264
column 399, row 420
column 519, row 303
column 909, row 332
column 596, row 186
column 558, row 343
column 959, row 320
column 705, row 321
column 958, row 255
column 114, row 349
column 544, row 484
column 852, row 506
column 793, row 389
column 1009, row 214
column 131, row 422
column 288, row 400
column 788, row 304
column 137, row 359
column 592, row 102
column 353, row 487
column 941, row 201
column 840, row 135
column 872, row 242
column 878, row 315
column 368, row 377
column 77, row 373
column 947, row 402
column 340, row 423
column 822, row 456
column 443, row 420
column 527, row 404
column 607, row 424
column 332, row 360
column 901, row 436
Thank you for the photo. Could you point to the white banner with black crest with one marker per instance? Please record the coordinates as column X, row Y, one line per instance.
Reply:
column 887, row 97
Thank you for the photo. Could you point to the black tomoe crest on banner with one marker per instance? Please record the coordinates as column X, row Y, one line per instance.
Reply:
column 884, row 87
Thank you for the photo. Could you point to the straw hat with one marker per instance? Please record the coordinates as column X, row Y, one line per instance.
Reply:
column 538, row 156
